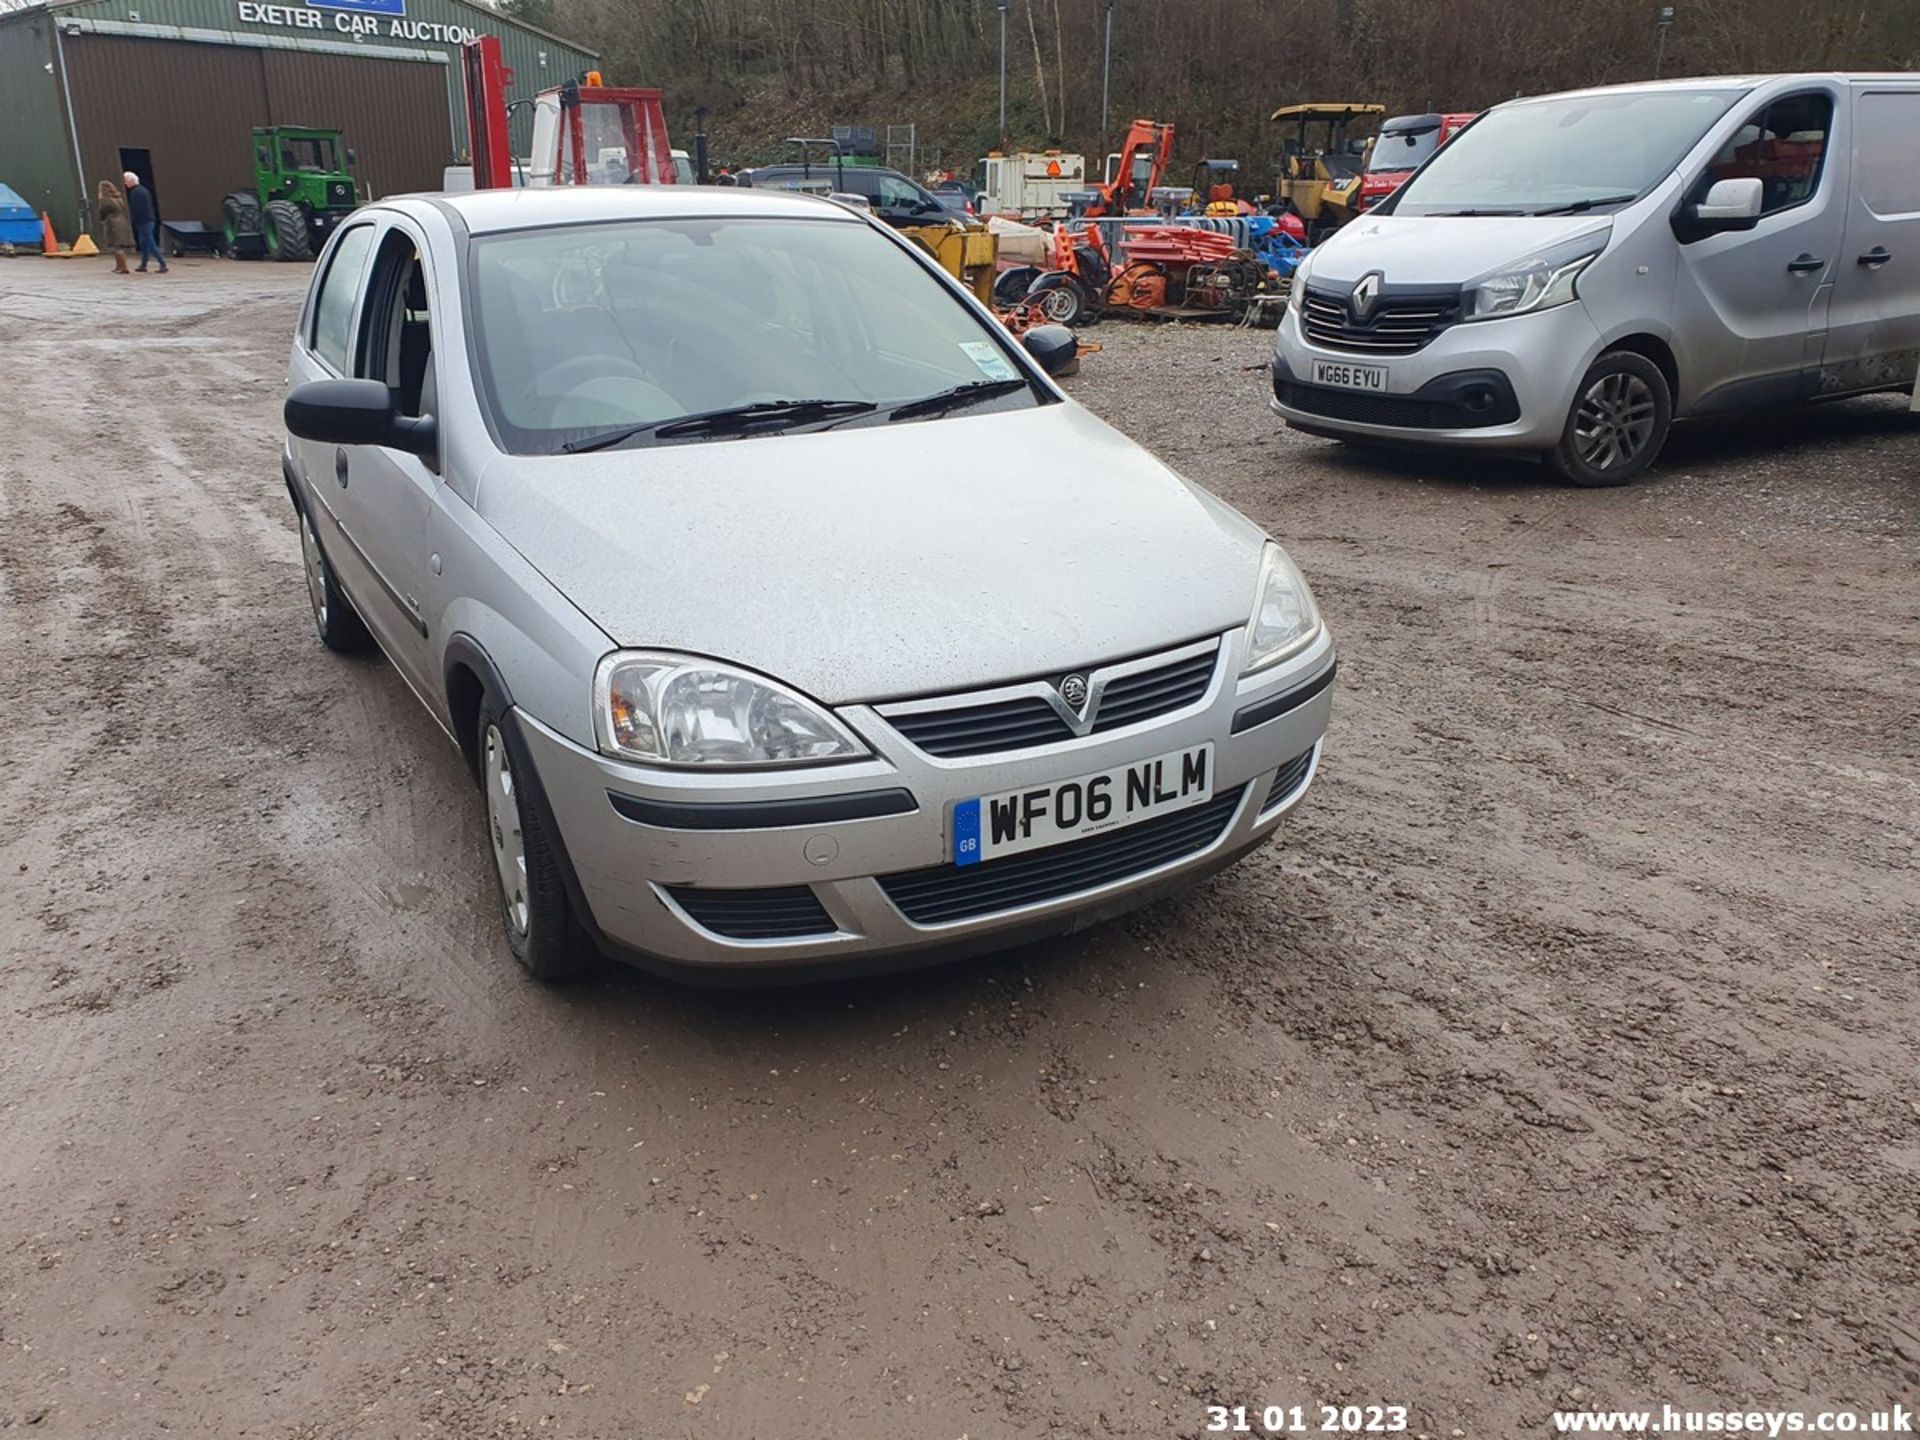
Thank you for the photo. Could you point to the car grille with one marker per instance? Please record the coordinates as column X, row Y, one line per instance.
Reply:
column 1026, row 720
column 1397, row 326
column 1133, row 698
column 1290, row 777
column 943, row 893
column 782, row 912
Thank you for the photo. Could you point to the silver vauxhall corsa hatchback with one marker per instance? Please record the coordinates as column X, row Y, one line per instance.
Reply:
column 786, row 612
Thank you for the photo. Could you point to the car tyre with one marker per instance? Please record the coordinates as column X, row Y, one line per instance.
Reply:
column 340, row 626
column 1618, row 423
column 543, row 931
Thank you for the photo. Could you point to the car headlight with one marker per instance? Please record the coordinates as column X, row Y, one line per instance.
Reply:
column 682, row 710
column 1538, row 283
column 1285, row 619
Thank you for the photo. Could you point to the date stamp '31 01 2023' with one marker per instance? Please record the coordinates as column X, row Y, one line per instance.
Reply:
column 1306, row 1419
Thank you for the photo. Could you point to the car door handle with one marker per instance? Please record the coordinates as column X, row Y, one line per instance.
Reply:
column 1804, row 262
column 340, row 467
column 1876, row 257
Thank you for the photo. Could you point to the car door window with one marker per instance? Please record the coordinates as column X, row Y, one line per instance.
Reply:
column 396, row 346
column 339, row 287
column 1783, row 146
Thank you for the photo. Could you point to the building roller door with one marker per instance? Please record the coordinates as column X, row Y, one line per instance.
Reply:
column 192, row 106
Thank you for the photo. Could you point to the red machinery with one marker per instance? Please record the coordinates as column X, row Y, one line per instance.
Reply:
column 1133, row 174
column 1401, row 147
column 584, row 133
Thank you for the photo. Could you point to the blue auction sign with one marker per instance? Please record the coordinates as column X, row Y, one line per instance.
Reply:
column 365, row 7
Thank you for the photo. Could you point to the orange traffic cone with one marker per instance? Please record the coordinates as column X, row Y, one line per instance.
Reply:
column 48, row 245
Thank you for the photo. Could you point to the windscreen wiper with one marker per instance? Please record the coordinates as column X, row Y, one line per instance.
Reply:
column 733, row 417
column 959, row 395
column 1576, row 206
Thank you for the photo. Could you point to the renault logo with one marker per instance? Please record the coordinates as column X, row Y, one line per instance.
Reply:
column 1073, row 690
column 1364, row 294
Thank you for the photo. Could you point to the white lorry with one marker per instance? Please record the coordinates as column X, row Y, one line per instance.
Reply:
column 1031, row 184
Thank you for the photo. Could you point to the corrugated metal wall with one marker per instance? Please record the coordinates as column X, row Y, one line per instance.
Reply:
column 197, row 121
column 384, row 95
column 35, row 158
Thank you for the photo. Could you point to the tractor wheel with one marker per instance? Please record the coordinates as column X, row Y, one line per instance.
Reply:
column 287, row 236
column 239, row 217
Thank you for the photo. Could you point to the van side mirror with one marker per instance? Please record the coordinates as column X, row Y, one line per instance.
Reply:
column 1729, row 205
column 357, row 412
column 1054, row 348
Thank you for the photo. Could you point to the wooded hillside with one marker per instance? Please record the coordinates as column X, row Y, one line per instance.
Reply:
column 771, row 68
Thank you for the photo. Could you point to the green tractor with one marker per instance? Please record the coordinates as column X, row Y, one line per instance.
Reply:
column 301, row 191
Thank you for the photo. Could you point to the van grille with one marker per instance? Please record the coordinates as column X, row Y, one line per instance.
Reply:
column 1398, row 325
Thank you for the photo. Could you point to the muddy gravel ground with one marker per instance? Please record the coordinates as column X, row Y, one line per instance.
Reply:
column 1563, row 1049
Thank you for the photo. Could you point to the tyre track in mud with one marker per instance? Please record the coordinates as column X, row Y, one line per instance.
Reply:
column 1560, row 1052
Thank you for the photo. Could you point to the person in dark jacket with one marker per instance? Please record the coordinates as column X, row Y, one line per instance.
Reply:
column 116, row 229
column 146, row 222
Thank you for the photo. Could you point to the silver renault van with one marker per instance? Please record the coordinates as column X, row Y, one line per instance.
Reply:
column 1572, row 273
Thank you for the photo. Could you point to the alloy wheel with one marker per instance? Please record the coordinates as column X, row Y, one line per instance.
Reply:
column 1614, row 421
column 504, row 834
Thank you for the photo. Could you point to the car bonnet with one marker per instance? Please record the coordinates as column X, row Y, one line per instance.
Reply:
column 885, row 561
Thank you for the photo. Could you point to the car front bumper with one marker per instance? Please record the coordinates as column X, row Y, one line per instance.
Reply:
column 649, row 847
column 1529, row 365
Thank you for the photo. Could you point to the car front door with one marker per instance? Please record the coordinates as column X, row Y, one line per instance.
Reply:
column 388, row 494
column 1873, row 332
column 1751, row 306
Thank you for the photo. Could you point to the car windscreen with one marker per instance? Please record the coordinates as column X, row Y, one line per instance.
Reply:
column 1606, row 147
column 584, row 329
column 1397, row 150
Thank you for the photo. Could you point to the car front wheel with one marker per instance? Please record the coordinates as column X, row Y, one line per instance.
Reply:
column 543, row 932
column 1619, row 421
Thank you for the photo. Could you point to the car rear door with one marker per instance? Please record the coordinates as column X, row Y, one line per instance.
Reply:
column 1750, row 306
column 325, row 352
column 1873, row 332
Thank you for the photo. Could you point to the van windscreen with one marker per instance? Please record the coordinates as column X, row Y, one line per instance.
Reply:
column 1601, row 148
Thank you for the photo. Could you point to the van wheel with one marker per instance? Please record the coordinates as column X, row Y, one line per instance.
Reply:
column 543, row 932
column 1618, row 424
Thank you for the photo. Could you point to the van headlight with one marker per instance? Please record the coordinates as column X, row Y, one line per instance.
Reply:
column 1285, row 619
column 1297, row 286
column 1538, row 283
column 682, row 710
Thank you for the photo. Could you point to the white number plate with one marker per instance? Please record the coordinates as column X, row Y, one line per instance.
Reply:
column 1062, row 810
column 1350, row 377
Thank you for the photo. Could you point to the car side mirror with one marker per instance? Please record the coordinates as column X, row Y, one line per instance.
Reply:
column 357, row 412
column 1729, row 205
column 1054, row 349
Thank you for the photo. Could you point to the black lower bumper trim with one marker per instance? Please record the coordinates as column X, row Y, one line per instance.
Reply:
column 1463, row 400
column 1274, row 706
column 762, row 814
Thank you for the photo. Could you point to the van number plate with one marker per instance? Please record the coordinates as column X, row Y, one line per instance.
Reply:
column 1350, row 377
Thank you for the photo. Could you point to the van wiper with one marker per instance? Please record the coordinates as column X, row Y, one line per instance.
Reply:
column 1576, row 206
column 959, row 395
column 733, row 417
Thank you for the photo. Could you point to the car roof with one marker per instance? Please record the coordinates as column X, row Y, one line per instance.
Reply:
column 485, row 211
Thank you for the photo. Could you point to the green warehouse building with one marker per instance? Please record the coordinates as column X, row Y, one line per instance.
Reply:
column 171, row 89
